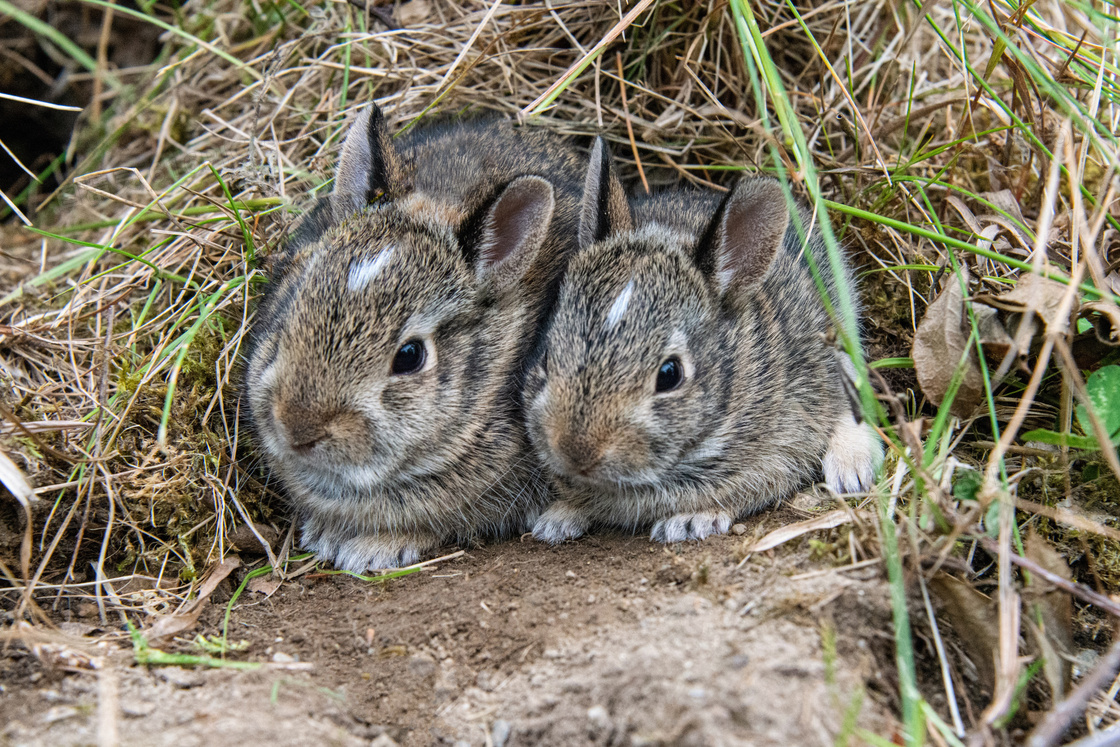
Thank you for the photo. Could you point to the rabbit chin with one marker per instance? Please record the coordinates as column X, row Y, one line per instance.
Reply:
column 318, row 481
column 606, row 477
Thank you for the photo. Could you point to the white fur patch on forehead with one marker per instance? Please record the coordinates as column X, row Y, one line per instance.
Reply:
column 618, row 308
column 366, row 270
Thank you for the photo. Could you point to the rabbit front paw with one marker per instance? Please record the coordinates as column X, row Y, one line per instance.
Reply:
column 854, row 455
column 560, row 522
column 695, row 526
column 374, row 551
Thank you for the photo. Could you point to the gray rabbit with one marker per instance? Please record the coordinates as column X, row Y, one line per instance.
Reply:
column 685, row 378
column 384, row 371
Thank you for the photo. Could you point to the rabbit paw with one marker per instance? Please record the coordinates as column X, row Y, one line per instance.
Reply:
column 691, row 526
column 561, row 521
column 374, row 551
column 853, row 457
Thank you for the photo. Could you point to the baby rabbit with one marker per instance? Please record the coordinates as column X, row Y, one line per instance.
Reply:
column 384, row 373
column 685, row 378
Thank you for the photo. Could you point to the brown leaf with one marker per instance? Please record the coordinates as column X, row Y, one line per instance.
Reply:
column 941, row 342
column 413, row 13
column 1109, row 312
column 976, row 621
column 1051, row 615
column 1043, row 293
column 244, row 541
column 1005, row 201
column 792, row 531
column 169, row 626
column 13, row 479
column 993, row 337
column 266, row 585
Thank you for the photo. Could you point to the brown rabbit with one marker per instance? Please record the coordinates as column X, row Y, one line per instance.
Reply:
column 685, row 378
column 384, row 374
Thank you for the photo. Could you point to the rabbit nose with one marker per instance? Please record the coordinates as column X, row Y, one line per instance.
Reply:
column 580, row 455
column 307, row 429
column 304, row 438
column 303, row 428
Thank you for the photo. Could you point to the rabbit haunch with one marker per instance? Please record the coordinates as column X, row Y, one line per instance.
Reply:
column 383, row 377
column 685, row 378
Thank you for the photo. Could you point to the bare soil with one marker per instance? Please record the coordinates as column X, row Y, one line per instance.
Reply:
column 609, row 640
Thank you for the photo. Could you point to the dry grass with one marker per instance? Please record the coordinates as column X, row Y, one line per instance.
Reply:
column 123, row 313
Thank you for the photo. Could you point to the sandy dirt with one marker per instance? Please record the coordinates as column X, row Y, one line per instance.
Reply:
column 611, row 640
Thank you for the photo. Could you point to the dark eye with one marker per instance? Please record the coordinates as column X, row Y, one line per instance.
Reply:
column 670, row 374
column 410, row 358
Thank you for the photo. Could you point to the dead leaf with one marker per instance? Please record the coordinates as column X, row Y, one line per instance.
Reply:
column 245, row 541
column 940, row 344
column 1109, row 312
column 1043, row 294
column 65, row 658
column 793, row 531
column 976, row 621
column 1051, row 615
column 266, row 585
column 12, row 478
column 993, row 337
column 169, row 626
column 413, row 12
column 62, row 652
column 1005, row 201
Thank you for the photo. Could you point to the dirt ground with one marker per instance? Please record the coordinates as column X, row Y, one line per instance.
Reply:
column 611, row 640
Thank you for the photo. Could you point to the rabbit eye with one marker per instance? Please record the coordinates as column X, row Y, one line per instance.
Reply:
column 670, row 375
column 410, row 358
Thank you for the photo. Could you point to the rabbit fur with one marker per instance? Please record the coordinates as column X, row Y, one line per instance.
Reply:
column 721, row 287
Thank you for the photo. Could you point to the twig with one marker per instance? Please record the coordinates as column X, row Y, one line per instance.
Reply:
column 102, row 62
column 1103, row 738
column 470, row 43
column 629, row 124
column 946, row 674
column 1069, row 518
column 1078, row 590
column 578, row 66
column 1061, row 716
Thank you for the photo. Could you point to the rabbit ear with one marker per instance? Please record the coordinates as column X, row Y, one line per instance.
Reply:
column 369, row 165
column 605, row 210
column 512, row 230
column 745, row 235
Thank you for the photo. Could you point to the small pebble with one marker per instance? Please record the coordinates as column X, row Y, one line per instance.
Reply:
column 499, row 733
column 59, row 713
column 281, row 658
column 739, row 529
column 180, row 678
column 137, row 708
column 598, row 716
